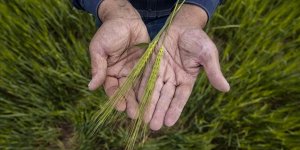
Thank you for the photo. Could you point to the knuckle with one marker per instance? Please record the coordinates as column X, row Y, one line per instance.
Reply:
column 208, row 51
column 194, row 40
column 94, row 72
column 94, row 46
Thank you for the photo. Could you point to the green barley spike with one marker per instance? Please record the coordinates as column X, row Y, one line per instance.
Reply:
column 107, row 110
column 136, row 128
column 145, row 100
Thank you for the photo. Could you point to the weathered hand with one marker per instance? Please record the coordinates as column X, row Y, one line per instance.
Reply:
column 187, row 49
column 113, row 52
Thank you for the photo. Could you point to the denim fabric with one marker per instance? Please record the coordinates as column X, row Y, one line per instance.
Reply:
column 161, row 8
column 153, row 25
column 153, row 12
column 150, row 8
column 153, row 8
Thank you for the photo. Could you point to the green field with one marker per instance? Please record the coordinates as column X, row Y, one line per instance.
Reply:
column 45, row 69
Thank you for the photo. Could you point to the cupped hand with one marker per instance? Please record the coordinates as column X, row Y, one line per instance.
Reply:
column 113, row 52
column 187, row 49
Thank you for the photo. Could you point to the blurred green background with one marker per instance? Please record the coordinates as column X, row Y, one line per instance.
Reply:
column 45, row 69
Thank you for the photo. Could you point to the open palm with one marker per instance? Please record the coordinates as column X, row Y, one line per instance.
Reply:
column 186, row 51
column 113, row 55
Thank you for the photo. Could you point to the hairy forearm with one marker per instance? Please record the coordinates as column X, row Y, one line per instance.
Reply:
column 110, row 9
column 191, row 15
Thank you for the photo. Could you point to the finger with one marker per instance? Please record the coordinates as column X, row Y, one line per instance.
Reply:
column 121, row 104
column 162, row 106
column 132, row 104
column 181, row 96
column 214, row 73
column 130, row 101
column 99, row 65
column 144, row 81
column 155, row 96
column 207, row 55
column 110, row 86
column 98, row 59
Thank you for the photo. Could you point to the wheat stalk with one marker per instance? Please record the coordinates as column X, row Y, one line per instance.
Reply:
column 107, row 110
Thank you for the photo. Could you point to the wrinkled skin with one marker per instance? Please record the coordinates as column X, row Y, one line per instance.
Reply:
column 186, row 51
column 113, row 55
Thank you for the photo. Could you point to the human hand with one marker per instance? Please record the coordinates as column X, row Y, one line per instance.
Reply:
column 187, row 49
column 113, row 52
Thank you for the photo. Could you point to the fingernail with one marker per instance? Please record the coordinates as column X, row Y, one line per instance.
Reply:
column 227, row 88
column 90, row 86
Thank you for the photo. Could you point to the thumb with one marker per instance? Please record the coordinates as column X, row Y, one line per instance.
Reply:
column 213, row 71
column 99, row 66
column 197, row 43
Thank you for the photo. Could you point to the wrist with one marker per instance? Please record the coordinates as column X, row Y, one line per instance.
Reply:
column 112, row 9
column 191, row 15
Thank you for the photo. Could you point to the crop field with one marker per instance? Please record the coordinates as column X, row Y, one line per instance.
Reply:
column 45, row 70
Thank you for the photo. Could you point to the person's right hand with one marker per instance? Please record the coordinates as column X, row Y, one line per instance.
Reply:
column 113, row 51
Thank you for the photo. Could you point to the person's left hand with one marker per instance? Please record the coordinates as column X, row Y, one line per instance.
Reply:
column 187, row 49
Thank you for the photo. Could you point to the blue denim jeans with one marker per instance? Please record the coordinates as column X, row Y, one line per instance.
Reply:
column 153, row 25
